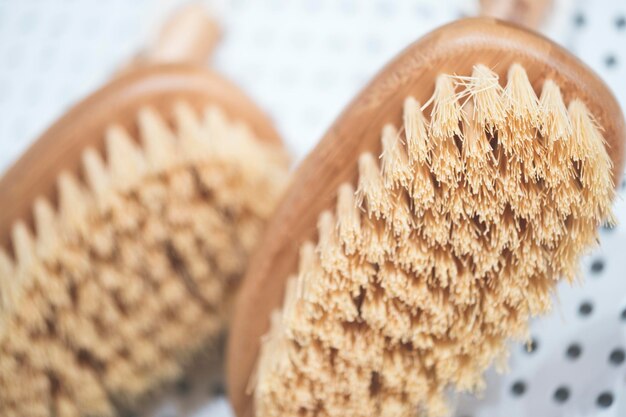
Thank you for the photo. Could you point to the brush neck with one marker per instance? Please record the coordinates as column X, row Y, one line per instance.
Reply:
column 527, row 13
column 189, row 36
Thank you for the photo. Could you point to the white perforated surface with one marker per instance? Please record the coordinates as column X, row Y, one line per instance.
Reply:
column 303, row 60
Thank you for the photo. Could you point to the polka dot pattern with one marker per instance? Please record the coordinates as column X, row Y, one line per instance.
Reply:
column 303, row 60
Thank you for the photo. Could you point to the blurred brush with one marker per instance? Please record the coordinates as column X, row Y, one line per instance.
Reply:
column 126, row 228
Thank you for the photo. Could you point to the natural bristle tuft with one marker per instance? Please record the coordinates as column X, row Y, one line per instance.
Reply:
column 133, row 272
column 420, row 278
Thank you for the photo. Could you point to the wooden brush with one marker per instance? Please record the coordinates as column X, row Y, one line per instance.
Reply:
column 431, row 222
column 124, row 231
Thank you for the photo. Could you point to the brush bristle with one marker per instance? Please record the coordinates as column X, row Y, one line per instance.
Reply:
column 442, row 256
column 132, row 274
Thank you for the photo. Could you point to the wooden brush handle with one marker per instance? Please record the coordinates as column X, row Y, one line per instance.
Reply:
column 529, row 13
column 188, row 36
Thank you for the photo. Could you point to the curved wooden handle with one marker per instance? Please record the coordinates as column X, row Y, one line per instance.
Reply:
column 528, row 13
column 188, row 36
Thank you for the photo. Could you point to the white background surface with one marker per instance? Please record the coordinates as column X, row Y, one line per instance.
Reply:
column 303, row 60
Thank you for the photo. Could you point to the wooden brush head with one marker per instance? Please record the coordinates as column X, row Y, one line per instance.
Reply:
column 173, row 150
column 452, row 49
column 61, row 146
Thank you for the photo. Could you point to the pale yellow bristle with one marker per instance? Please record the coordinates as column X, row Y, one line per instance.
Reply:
column 477, row 156
column 556, row 130
column 423, row 189
column 214, row 121
column 190, row 132
column 593, row 160
column 520, row 100
column 486, row 93
column 445, row 128
column 126, row 162
column 308, row 269
column 96, row 174
column 73, row 202
column 401, row 215
column 331, row 254
column 450, row 247
column 46, row 225
column 293, row 291
column 395, row 164
column 446, row 110
column 370, row 193
column 158, row 140
column 305, row 260
column 131, row 275
column 555, row 122
column 377, row 241
column 66, row 407
column 8, row 282
column 23, row 246
column 7, row 267
column 416, row 132
column 435, row 227
column 413, row 255
column 348, row 219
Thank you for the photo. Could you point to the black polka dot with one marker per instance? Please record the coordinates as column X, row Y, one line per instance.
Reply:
column 5, row 90
column 579, row 20
column 218, row 390
column 385, row 8
column 324, row 79
column 29, row 21
column 561, row 394
column 585, row 309
column 347, row 6
column 13, row 58
column 605, row 400
column 19, row 127
column 183, row 386
column 313, row 5
column 597, row 266
column 373, row 45
column 263, row 37
column 275, row 4
column 617, row 356
column 300, row 40
column 518, row 388
column 610, row 61
column 574, row 351
column 608, row 227
column 531, row 346
column 620, row 22
column 423, row 11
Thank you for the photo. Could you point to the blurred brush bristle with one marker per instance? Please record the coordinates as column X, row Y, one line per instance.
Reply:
column 132, row 273
column 441, row 255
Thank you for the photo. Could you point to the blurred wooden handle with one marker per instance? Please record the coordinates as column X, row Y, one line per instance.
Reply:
column 528, row 13
column 188, row 36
